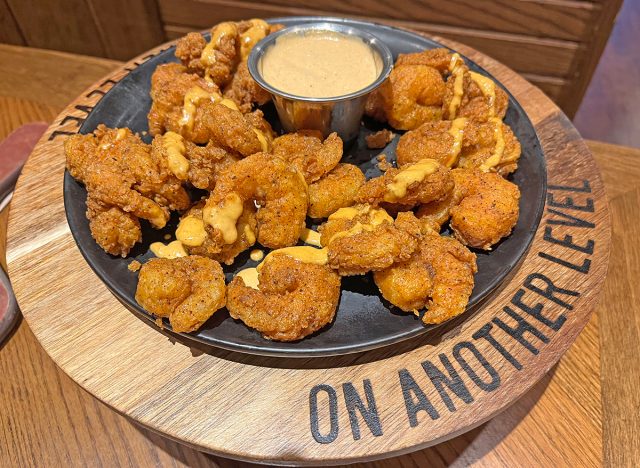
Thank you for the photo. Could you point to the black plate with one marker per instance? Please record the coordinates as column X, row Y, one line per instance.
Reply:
column 363, row 320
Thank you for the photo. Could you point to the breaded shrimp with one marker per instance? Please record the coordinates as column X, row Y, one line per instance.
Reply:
column 119, row 170
column 291, row 300
column 278, row 188
column 411, row 96
column 187, row 290
column 170, row 83
column 335, row 190
column 199, row 165
column 472, row 95
column 490, row 146
column 439, row 59
column 422, row 182
column 483, row 208
column 244, row 90
column 438, row 276
column 215, row 60
column 441, row 141
column 312, row 156
column 115, row 230
column 199, row 238
column 361, row 239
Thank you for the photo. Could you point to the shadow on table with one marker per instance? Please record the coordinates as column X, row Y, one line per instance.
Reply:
column 461, row 451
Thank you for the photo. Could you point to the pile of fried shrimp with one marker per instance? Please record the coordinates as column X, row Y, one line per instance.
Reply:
column 453, row 156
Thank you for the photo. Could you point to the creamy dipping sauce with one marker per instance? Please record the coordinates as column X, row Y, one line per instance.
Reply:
column 320, row 64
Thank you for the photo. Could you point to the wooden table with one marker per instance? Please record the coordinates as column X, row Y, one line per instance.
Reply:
column 584, row 412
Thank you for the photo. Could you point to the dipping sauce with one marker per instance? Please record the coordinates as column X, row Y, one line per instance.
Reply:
column 320, row 64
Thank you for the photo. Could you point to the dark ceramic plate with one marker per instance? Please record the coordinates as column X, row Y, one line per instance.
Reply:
column 363, row 320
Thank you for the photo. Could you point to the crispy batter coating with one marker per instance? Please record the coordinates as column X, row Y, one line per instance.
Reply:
column 295, row 299
column 434, row 58
column 483, row 208
column 223, row 60
column 170, row 83
column 121, row 171
column 114, row 230
column 205, row 162
column 305, row 150
column 278, row 188
column 474, row 104
column 335, row 190
column 187, row 290
column 229, row 128
column 429, row 140
column 213, row 245
column 360, row 239
column 438, row 277
column 411, row 95
column 219, row 67
column 379, row 139
column 491, row 145
column 425, row 187
column 210, row 120
column 244, row 90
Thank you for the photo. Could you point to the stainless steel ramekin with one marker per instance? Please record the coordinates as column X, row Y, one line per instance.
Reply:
column 341, row 114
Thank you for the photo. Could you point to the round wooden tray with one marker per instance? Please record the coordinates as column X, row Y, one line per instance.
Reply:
column 324, row 410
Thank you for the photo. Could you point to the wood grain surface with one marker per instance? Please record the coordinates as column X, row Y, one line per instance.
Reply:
column 558, row 42
column 533, row 427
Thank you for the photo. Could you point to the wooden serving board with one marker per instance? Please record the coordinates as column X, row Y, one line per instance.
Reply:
column 324, row 410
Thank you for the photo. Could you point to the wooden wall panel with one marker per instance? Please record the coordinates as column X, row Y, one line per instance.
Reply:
column 560, row 19
column 542, row 56
column 58, row 24
column 9, row 30
column 118, row 29
column 127, row 28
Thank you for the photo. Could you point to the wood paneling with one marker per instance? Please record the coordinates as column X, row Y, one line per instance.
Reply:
column 127, row 27
column 58, row 24
column 117, row 29
column 9, row 30
column 556, row 19
column 535, row 55
column 556, row 43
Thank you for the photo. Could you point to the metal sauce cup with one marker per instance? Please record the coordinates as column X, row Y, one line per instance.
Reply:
column 341, row 114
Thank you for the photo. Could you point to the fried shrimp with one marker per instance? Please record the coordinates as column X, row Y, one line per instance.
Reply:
column 199, row 165
column 438, row 276
column 483, row 208
column 199, row 238
column 190, row 106
column 223, row 60
column 489, row 146
column 335, row 190
column 215, row 60
column 228, row 127
column 119, row 170
column 306, row 151
column 361, row 239
column 293, row 297
column 411, row 96
column 187, row 290
column 402, row 189
column 277, row 188
column 170, row 83
column 115, row 230
column 472, row 95
column 244, row 90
